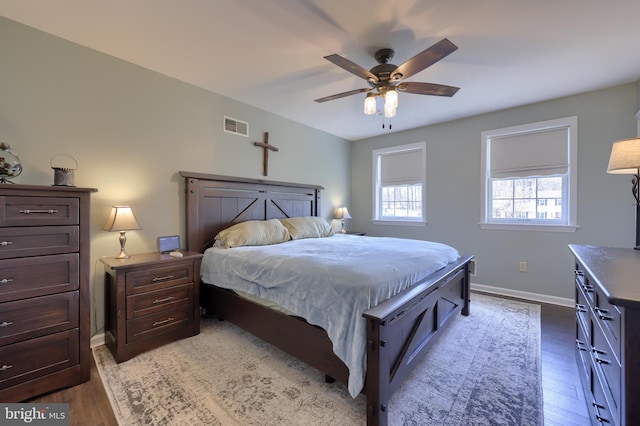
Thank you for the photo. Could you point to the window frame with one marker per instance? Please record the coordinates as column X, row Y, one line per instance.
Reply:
column 569, row 183
column 421, row 147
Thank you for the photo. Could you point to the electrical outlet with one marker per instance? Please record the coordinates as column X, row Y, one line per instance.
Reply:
column 522, row 266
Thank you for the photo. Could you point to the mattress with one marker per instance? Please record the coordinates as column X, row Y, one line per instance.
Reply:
column 330, row 281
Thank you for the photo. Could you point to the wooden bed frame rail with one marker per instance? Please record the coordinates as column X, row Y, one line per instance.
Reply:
column 399, row 330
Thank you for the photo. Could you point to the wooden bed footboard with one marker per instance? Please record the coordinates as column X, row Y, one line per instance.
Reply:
column 401, row 329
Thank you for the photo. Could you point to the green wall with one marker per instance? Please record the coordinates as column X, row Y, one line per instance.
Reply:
column 605, row 204
column 131, row 130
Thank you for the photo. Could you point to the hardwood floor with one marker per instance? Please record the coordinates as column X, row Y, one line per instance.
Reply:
column 564, row 403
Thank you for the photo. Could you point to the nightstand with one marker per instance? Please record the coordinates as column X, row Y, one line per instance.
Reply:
column 152, row 299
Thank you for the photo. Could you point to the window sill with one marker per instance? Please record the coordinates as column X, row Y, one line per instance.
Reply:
column 528, row 227
column 399, row 222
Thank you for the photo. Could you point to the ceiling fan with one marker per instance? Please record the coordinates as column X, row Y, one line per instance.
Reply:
column 386, row 80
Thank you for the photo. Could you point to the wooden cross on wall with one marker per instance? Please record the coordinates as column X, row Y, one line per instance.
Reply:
column 266, row 147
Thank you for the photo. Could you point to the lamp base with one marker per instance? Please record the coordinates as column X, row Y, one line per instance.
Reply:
column 123, row 240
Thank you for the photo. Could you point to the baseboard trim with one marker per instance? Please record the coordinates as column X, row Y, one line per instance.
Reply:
column 97, row 340
column 536, row 297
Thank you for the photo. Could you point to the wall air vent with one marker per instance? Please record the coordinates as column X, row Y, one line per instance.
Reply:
column 231, row 125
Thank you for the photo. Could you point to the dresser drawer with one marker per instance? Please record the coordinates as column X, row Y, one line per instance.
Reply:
column 37, row 241
column 150, row 279
column 151, row 325
column 610, row 320
column 582, row 311
column 607, row 367
column 38, row 276
column 38, row 357
column 583, row 349
column 600, row 409
column 39, row 211
column 155, row 301
column 26, row 319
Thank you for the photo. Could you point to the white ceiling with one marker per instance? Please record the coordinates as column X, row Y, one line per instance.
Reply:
column 269, row 53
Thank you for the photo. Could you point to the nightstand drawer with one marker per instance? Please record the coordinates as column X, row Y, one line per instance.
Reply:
column 150, row 279
column 154, row 324
column 26, row 319
column 38, row 357
column 38, row 241
column 38, row 276
column 160, row 300
column 39, row 211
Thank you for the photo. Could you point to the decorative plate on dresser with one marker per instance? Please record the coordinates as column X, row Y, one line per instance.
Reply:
column 44, row 289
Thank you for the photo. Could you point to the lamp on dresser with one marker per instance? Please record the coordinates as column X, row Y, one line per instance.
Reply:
column 121, row 219
column 625, row 159
column 343, row 214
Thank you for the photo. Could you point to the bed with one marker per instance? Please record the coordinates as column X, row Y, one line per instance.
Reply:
column 398, row 331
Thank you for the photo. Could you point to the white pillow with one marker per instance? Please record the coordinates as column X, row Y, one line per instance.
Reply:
column 307, row 227
column 254, row 233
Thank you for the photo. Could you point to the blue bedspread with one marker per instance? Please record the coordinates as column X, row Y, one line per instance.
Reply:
column 329, row 281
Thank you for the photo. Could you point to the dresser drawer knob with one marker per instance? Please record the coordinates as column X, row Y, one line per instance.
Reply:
column 165, row 300
column 6, row 324
column 49, row 211
column 168, row 320
column 6, row 243
column 5, row 367
column 166, row 277
column 6, row 280
column 603, row 314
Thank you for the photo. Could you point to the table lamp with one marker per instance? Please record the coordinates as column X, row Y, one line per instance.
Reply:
column 625, row 159
column 343, row 214
column 121, row 220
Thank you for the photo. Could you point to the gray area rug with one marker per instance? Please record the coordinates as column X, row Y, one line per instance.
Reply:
column 484, row 370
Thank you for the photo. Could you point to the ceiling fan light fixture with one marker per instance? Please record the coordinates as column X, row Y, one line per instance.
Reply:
column 389, row 111
column 370, row 104
column 391, row 98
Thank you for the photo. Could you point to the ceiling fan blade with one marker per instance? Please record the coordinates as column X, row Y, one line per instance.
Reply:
column 424, row 59
column 427, row 89
column 343, row 94
column 352, row 67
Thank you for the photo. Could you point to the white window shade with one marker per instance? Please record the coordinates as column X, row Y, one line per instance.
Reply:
column 539, row 153
column 401, row 168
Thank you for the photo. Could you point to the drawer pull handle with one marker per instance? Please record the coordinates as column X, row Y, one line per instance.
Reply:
column 579, row 273
column 596, row 408
column 603, row 314
column 599, row 360
column 5, row 324
column 166, row 277
column 6, row 243
column 5, row 367
column 157, row 323
column 580, row 345
column 580, row 308
column 49, row 211
column 166, row 299
column 6, row 280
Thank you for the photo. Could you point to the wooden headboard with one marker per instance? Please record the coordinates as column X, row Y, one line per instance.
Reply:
column 215, row 202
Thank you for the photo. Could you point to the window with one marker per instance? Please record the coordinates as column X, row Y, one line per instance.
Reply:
column 529, row 176
column 399, row 184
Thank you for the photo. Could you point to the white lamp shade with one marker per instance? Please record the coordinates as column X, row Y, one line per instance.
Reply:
column 343, row 213
column 121, row 218
column 625, row 157
column 391, row 98
column 370, row 104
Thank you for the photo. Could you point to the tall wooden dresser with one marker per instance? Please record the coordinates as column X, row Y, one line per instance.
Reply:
column 608, row 332
column 44, row 289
